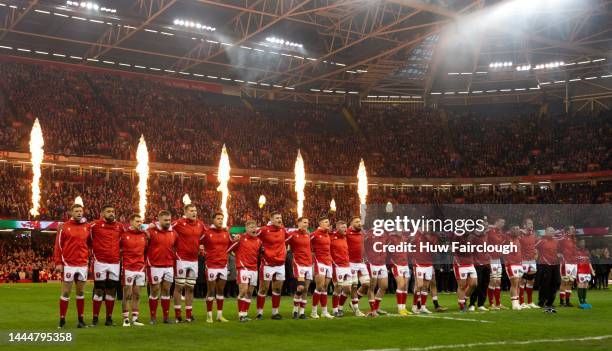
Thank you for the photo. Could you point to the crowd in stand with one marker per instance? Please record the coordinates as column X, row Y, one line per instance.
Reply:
column 23, row 256
column 85, row 113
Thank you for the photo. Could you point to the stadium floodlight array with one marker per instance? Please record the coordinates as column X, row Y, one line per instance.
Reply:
column 90, row 6
column 192, row 24
column 280, row 41
column 500, row 64
column 550, row 65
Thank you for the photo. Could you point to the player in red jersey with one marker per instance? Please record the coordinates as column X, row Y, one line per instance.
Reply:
column 189, row 230
column 567, row 247
column 71, row 253
column 529, row 255
column 320, row 242
column 465, row 272
column 133, row 244
column 400, row 269
column 161, row 254
column 272, row 270
column 514, row 267
column 246, row 248
column 423, row 270
column 585, row 270
column 105, row 235
column 495, row 236
column 359, row 270
column 299, row 243
column 377, row 267
column 342, row 276
column 216, row 241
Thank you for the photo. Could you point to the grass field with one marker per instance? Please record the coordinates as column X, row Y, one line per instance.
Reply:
column 33, row 308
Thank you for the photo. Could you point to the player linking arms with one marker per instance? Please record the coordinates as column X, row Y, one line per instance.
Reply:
column 70, row 255
column 342, row 276
column 246, row 248
column 189, row 230
column 272, row 270
column 133, row 244
column 359, row 270
column 320, row 242
column 216, row 242
column 160, row 264
column 105, row 235
column 299, row 242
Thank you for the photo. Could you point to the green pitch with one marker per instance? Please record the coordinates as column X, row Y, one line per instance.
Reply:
column 34, row 307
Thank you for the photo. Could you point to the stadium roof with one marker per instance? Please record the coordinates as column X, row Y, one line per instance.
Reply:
column 308, row 49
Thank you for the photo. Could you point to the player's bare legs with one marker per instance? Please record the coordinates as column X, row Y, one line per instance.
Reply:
column 433, row 289
column 245, row 293
column 104, row 290
column 66, row 288
column 514, row 292
column 465, row 287
column 215, row 291
column 179, row 285
column 401, row 294
column 420, row 299
column 184, row 284
column 382, row 284
column 299, row 298
column 357, row 292
column 277, row 286
column 261, row 297
column 131, row 301
column 341, row 291
column 320, row 296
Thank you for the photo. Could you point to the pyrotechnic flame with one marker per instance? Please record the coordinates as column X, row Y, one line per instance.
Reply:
column 224, row 177
column 142, row 168
column 262, row 201
column 389, row 207
column 186, row 200
column 36, row 151
column 332, row 206
column 78, row 201
column 300, row 183
column 362, row 188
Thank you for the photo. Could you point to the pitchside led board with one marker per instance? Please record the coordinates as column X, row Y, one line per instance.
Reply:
column 450, row 221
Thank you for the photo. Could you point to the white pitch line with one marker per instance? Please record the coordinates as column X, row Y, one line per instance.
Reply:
column 454, row 318
column 496, row 343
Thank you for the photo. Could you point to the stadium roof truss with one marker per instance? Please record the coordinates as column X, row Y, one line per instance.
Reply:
column 348, row 48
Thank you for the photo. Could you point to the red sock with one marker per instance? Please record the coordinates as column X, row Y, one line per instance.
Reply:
column 568, row 294
column 461, row 304
column 110, row 304
column 398, row 297
column 240, row 304
column 247, row 305
column 261, row 301
column 177, row 311
column 342, row 299
column 97, row 304
column 372, row 305
column 490, row 293
column 220, row 303
column 416, row 298
column 63, row 304
column 355, row 301
column 209, row 304
column 498, row 296
column 529, row 290
column 80, row 302
column 521, row 297
column 165, row 302
column 405, row 298
column 315, row 298
column 188, row 312
column 376, row 304
column 335, row 301
column 275, row 300
column 423, row 299
column 153, row 307
column 324, row 300
column 562, row 296
column 296, row 301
